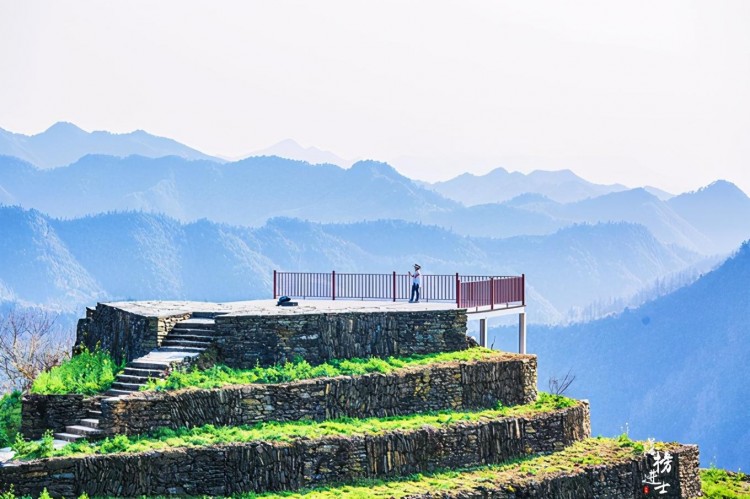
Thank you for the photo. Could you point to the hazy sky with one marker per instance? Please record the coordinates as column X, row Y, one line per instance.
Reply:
column 641, row 93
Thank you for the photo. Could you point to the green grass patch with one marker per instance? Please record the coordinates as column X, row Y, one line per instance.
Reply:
column 291, row 430
column 10, row 418
column 504, row 477
column 87, row 373
column 219, row 376
column 722, row 484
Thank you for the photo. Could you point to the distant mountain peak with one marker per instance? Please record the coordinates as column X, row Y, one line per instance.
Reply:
column 374, row 167
column 722, row 186
column 500, row 185
column 291, row 149
column 62, row 127
column 64, row 143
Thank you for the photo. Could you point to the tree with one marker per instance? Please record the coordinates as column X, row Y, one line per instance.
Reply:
column 558, row 386
column 30, row 342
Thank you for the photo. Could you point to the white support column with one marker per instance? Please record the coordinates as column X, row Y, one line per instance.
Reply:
column 522, row 332
column 482, row 332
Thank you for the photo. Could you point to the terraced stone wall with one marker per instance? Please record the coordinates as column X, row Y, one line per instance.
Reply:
column 263, row 466
column 124, row 334
column 51, row 412
column 510, row 379
column 245, row 341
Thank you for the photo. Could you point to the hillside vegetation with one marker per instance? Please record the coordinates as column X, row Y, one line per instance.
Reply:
column 675, row 368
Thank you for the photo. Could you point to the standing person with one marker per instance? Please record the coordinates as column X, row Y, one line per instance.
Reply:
column 416, row 281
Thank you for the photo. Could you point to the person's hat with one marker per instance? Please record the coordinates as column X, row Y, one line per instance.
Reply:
column 416, row 266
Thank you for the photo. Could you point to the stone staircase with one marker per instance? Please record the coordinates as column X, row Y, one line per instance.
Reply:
column 87, row 427
column 186, row 340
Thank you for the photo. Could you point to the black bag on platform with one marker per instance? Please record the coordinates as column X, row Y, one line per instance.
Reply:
column 285, row 301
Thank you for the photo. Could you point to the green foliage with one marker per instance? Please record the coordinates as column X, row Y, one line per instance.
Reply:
column 292, row 430
column 298, row 369
column 10, row 418
column 722, row 484
column 87, row 373
column 625, row 441
column 25, row 449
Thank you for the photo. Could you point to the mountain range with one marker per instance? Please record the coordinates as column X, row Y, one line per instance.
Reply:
column 251, row 191
column 500, row 185
column 674, row 368
column 64, row 143
column 71, row 263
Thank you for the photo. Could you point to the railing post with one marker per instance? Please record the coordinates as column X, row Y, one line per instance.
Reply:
column 523, row 289
column 492, row 293
column 274, row 284
column 333, row 284
column 458, row 291
column 394, row 285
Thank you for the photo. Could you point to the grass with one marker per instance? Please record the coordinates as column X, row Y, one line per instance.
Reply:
column 87, row 373
column 219, row 376
column 291, row 430
column 722, row 484
column 506, row 476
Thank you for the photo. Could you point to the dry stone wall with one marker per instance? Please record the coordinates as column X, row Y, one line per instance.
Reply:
column 124, row 334
column 245, row 341
column 612, row 481
column 51, row 412
column 264, row 466
column 510, row 379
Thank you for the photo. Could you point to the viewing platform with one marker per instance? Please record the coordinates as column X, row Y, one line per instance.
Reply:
column 483, row 297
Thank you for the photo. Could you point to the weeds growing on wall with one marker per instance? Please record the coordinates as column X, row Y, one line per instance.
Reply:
column 87, row 373
column 500, row 477
column 290, row 430
column 218, row 376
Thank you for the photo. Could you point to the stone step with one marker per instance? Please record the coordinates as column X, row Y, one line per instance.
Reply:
column 68, row 437
column 140, row 380
column 113, row 392
column 195, row 323
column 94, row 414
column 142, row 373
column 203, row 316
column 189, row 337
column 82, row 430
column 182, row 349
column 191, row 330
column 128, row 387
column 90, row 422
column 150, row 365
column 169, row 342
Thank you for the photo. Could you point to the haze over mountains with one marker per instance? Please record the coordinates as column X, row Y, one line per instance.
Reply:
column 500, row 185
column 68, row 264
column 251, row 191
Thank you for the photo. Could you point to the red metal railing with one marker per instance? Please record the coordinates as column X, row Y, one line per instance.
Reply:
column 464, row 291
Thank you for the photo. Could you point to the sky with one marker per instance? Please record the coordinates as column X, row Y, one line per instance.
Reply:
column 631, row 92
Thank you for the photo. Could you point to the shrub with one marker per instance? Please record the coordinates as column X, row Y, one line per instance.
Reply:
column 10, row 417
column 25, row 449
column 87, row 373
